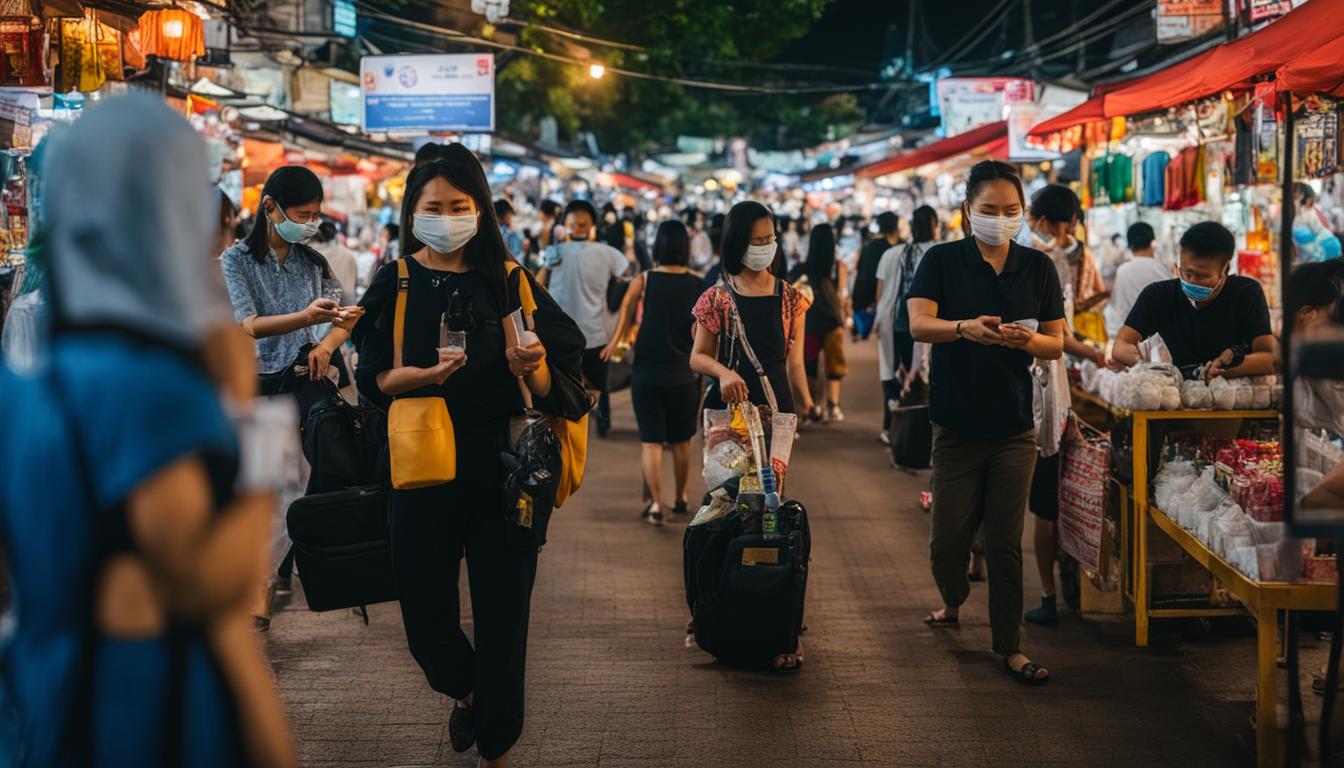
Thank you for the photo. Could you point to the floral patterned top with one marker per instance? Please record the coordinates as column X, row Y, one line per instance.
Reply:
column 714, row 304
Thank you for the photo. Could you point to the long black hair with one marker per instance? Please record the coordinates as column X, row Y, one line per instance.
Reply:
column 1314, row 285
column 486, row 252
column 820, row 254
column 737, row 228
column 672, row 244
column 923, row 224
column 288, row 186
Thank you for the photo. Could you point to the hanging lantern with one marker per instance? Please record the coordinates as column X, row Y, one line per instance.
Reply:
column 172, row 33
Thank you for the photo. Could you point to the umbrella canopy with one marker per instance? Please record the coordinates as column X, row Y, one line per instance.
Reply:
column 1316, row 71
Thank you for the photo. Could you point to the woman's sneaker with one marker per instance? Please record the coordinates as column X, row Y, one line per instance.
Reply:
column 461, row 728
column 836, row 414
column 652, row 516
column 884, row 437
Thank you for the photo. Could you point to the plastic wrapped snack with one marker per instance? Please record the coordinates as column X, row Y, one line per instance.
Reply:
column 1262, row 397
column 1224, row 394
column 1147, row 397
column 1246, row 560
column 1245, row 394
column 783, row 429
column 1171, row 398
column 1174, row 479
column 1195, row 395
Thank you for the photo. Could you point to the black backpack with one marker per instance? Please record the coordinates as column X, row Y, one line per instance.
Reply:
column 342, row 547
column 346, row 445
column 746, row 589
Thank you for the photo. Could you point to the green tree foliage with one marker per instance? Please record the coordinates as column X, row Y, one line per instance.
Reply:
column 684, row 38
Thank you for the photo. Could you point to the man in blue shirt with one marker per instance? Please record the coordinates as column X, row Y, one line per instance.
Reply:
column 512, row 239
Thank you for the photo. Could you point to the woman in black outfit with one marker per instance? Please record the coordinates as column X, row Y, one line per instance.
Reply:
column 825, row 324
column 663, row 388
column 454, row 251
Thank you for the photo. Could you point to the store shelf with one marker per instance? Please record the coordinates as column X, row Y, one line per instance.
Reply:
column 1270, row 413
column 1256, row 594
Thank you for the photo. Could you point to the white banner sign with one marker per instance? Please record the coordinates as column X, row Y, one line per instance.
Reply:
column 439, row 92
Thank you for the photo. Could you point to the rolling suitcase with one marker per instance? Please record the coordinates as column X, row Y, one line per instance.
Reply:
column 745, row 588
column 342, row 548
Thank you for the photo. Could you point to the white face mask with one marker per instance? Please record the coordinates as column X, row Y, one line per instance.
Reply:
column 759, row 257
column 445, row 234
column 994, row 230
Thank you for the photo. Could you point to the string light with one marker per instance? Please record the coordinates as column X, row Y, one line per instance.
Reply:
column 596, row 71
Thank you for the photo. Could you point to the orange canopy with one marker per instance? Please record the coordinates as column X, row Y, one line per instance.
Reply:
column 1309, row 27
column 1089, row 111
column 1315, row 71
column 986, row 137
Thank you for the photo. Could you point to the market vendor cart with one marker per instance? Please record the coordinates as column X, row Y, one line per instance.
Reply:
column 1262, row 600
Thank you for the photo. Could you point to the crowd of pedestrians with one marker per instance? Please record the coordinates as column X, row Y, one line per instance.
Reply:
column 168, row 470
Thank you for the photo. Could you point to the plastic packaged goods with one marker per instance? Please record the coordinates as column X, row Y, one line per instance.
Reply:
column 1245, row 394
column 1175, row 478
column 1147, row 396
column 719, row 504
column 1262, row 397
column 1224, row 394
column 784, row 428
column 1171, row 399
column 1195, row 395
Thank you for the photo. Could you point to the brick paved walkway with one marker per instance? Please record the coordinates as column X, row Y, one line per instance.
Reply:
column 611, row 683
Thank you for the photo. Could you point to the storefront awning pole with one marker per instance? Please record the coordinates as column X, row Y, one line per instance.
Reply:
column 1286, row 335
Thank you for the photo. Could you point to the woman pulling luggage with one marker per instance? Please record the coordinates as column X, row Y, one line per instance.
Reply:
column 772, row 314
column 454, row 262
column 133, row 525
column 663, row 388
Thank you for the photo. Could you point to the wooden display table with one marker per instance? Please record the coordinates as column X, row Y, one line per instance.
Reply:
column 1262, row 600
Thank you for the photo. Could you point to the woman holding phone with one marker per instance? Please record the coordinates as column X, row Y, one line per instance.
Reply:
column 457, row 264
column 988, row 306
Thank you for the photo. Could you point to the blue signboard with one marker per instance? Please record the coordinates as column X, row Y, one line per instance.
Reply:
column 344, row 18
column 430, row 93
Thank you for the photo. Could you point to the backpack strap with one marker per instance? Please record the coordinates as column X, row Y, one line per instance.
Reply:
column 399, row 323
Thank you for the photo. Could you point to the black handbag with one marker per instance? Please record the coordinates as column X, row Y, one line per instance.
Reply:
column 532, row 465
column 346, row 445
column 911, row 429
column 342, row 546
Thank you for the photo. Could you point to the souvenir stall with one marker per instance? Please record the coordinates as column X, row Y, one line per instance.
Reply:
column 1194, row 488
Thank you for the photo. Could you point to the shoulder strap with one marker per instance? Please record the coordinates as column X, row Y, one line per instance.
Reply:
column 399, row 324
column 526, row 300
column 741, row 331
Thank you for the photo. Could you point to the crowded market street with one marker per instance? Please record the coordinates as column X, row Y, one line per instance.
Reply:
column 611, row 682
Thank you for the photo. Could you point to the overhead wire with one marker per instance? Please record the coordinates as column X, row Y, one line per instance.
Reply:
column 725, row 87
column 975, row 35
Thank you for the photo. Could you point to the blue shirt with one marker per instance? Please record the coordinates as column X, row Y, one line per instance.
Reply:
column 268, row 289
column 146, row 408
column 513, row 240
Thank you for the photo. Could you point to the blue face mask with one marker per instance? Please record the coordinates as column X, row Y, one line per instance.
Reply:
column 1197, row 292
column 293, row 232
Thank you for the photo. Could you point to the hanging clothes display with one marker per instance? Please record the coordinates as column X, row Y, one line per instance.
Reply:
column 22, row 51
column 82, row 64
column 172, row 33
column 1155, row 178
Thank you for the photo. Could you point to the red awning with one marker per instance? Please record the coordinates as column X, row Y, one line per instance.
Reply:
column 634, row 182
column 984, row 137
column 1315, row 71
column 1309, row 27
column 1087, row 112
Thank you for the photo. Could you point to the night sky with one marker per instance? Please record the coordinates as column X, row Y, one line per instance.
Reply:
column 852, row 32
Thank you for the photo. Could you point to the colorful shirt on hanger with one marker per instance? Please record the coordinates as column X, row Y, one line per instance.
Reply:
column 1155, row 178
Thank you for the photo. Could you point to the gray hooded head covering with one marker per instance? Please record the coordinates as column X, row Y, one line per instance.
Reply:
column 131, row 223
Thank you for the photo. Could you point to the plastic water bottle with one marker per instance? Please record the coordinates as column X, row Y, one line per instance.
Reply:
column 770, row 513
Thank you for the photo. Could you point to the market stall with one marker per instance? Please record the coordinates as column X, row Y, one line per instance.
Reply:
column 1198, row 470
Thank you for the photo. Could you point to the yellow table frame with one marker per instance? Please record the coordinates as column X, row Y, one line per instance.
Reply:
column 1263, row 600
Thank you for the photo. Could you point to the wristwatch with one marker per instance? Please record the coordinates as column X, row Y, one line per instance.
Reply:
column 958, row 331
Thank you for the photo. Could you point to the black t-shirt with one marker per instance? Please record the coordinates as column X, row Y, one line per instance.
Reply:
column 981, row 391
column 663, row 345
column 865, row 283
column 1238, row 315
column 484, row 393
column 824, row 314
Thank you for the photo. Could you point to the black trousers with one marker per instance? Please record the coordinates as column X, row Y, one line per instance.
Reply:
column 432, row 529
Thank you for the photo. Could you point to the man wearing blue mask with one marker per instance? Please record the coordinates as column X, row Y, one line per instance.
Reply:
column 1213, row 322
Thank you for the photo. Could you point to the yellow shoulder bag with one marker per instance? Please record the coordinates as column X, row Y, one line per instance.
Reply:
column 573, row 435
column 419, row 430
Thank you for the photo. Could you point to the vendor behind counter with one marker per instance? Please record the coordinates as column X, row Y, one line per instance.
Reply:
column 1206, row 316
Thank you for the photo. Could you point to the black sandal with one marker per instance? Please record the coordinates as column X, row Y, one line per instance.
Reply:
column 1027, row 674
column 934, row 621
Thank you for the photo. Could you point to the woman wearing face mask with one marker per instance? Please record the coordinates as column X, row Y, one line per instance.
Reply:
column 283, row 292
column 773, row 314
column 988, row 306
column 457, row 263
column 287, row 298
column 133, row 644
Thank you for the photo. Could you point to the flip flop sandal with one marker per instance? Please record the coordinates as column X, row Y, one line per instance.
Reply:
column 931, row 621
column 1027, row 674
column 790, row 669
